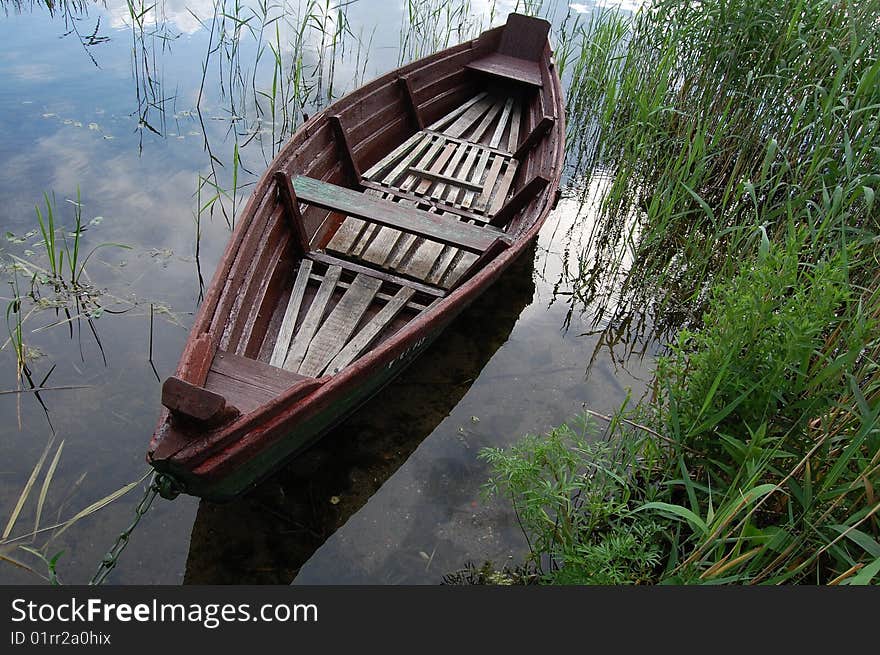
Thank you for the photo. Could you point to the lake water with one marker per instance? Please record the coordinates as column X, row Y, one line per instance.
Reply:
column 161, row 120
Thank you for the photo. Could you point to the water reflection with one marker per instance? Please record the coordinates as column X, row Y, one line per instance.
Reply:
column 266, row 536
column 164, row 139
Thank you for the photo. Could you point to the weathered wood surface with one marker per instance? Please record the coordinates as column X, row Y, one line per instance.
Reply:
column 368, row 333
column 313, row 319
column 339, row 325
column 415, row 221
column 382, row 275
column 285, row 334
column 194, row 403
column 247, row 383
column 511, row 68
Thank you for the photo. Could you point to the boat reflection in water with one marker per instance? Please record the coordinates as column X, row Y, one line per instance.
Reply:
column 265, row 536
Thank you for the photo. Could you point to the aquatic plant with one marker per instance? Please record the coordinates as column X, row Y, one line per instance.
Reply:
column 740, row 142
column 39, row 541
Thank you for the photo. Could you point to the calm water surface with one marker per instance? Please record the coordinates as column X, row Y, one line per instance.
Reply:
column 162, row 123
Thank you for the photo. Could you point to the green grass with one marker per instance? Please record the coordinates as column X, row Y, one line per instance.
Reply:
column 741, row 144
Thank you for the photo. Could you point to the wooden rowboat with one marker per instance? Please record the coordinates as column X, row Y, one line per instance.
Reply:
column 377, row 223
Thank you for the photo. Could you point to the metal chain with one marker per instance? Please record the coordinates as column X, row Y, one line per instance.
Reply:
column 158, row 484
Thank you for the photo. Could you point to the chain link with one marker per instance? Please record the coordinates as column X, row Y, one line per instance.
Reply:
column 158, row 484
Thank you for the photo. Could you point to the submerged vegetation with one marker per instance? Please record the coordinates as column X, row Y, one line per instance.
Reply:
column 741, row 142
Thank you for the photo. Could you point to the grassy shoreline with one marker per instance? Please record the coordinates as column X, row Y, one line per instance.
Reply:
column 744, row 142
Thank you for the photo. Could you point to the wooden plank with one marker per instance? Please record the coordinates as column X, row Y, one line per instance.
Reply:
column 346, row 235
column 520, row 199
column 294, row 216
column 410, row 100
column 440, row 190
column 462, row 263
column 313, row 319
column 435, row 204
column 197, row 360
column 403, row 249
column 282, row 344
column 381, row 246
column 382, row 275
column 248, row 397
column 499, row 195
column 441, row 265
column 438, row 165
column 354, row 171
column 483, row 127
column 370, row 331
column 445, row 179
column 502, row 124
column 533, row 137
column 384, row 212
column 381, row 295
column 422, row 260
column 488, row 255
column 339, row 325
column 426, row 150
column 476, row 177
column 481, row 146
column 254, row 372
column 455, row 113
column 467, row 119
column 524, row 36
column 395, row 154
column 510, row 68
column 489, row 184
column 365, row 239
column 195, row 403
column 513, row 137
column 453, row 193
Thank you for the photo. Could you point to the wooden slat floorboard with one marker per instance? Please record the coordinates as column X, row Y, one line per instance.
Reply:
column 312, row 320
column 339, row 325
column 282, row 344
column 367, row 334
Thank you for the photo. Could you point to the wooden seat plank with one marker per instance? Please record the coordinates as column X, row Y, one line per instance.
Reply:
column 247, row 383
column 312, row 320
column 511, row 68
column 384, row 212
column 368, row 333
column 339, row 325
column 288, row 323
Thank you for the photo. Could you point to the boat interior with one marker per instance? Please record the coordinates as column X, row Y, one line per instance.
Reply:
column 348, row 260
